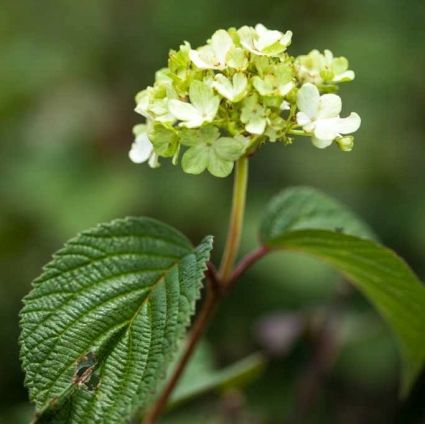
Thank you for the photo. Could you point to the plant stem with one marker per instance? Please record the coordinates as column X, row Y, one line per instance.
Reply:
column 236, row 221
column 217, row 283
column 299, row 132
column 245, row 263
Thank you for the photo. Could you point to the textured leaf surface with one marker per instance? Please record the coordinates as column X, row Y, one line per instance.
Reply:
column 384, row 278
column 302, row 208
column 102, row 322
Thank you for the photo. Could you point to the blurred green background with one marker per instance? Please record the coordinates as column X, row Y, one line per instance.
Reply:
column 69, row 71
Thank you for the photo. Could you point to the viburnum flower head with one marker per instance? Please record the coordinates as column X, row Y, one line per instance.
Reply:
column 216, row 103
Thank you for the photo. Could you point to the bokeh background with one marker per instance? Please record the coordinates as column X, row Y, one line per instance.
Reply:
column 69, row 71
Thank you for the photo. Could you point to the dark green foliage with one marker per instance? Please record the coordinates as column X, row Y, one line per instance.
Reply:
column 102, row 322
column 304, row 220
column 300, row 208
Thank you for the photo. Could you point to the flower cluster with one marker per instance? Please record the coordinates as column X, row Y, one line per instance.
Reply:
column 214, row 104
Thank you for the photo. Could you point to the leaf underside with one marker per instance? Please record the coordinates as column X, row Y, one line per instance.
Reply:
column 305, row 220
column 101, row 324
column 383, row 277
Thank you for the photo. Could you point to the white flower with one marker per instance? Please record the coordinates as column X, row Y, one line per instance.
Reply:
column 253, row 115
column 317, row 68
column 213, row 56
column 319, row 115
column 234, row 89
column 285, row 106
column 142, row 148
column 143, row 101
column 275, row 80
column 152, row 103
column 264, row 42
column 202, row 108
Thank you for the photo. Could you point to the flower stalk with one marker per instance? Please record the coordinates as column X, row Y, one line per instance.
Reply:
column 218, row 281
column 214, row 106
column 236, row 221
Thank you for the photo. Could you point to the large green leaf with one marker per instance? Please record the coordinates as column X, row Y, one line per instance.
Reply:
column 379, row 273
column 102, row 322
column 384, row 278
column 301, row 208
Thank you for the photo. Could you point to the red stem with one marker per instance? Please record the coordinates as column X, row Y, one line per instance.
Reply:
column 215, row 291
column 246, row 263
column 197, row 331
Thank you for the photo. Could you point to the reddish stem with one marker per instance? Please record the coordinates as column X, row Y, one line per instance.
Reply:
column 197, row 331
column 246, row 263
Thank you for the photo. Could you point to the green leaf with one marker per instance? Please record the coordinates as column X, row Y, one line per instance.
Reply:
column 383, row 277
column 103, row 321
column 301, row 208
column 379, row 273
column 201, row 376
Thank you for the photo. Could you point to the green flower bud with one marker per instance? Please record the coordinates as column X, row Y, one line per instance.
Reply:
column 346, row 143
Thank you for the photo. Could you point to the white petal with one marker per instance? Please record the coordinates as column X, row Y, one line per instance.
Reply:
column 328, row 56
column 303, row 119
column 196, row 59
column 321, row 144
column 167, row 117
column 153, row 161
column 308, row 100
column 256, row 126
column 350, row 124
column 330, row 106
column 232, row 90
column 286, row 39
column 221, row 43
column 344, row 76
column 285, row 106
column 250, row 47
column 260, row 28
column 210, row 109
column 286, row 88
column 203, row 99
column 240, row 82
column 224, row 86
column 141, row 149
column 327, row 129
column 194, row 123
column 267, row 38
column 246, row 36
column 185, row 112
column 143, row 100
